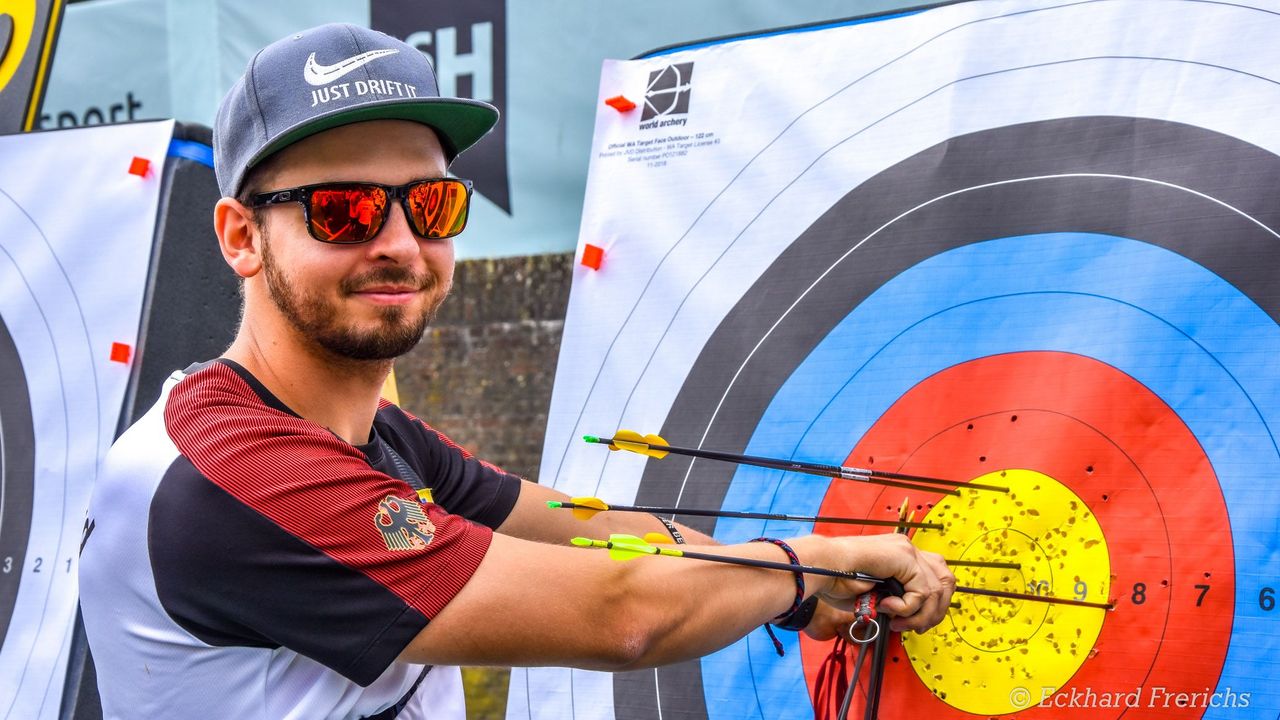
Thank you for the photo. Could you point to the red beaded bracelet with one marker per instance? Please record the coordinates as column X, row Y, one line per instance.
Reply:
column 798, row 605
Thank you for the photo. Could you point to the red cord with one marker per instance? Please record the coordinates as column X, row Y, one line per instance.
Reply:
column 832, row 682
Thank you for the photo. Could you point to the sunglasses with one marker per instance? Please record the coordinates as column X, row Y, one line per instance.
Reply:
column 347, row 213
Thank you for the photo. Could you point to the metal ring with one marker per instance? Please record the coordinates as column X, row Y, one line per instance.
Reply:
column 874, row 629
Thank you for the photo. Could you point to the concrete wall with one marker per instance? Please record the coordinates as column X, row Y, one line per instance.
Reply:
column 483, row 372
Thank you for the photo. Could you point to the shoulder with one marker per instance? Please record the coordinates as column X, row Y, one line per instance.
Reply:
column 411, row 428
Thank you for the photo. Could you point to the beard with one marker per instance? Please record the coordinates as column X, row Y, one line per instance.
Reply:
column 320, row 321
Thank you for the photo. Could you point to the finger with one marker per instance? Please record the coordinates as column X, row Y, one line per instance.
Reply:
column 904, row 606
column 945, row 576
column 933, row 608
column 942, row 586
column 920, row 620
column 934, row 598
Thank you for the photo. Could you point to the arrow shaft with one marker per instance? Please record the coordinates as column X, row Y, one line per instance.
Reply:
column 771, row 565
column 1033, row 598
column 696, row 512
column 809, row 569
column 985, row 564
column 831, row 471
column 747, row 562
column 899, row 480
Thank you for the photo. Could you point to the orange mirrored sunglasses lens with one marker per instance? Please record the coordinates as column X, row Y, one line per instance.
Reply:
column 438, row 208
column 347, row 214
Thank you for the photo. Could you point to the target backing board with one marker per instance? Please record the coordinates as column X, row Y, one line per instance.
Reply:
column 75, row 245
column 1026, row 244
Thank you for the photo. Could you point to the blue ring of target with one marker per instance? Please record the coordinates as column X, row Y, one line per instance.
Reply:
column 1070, row 292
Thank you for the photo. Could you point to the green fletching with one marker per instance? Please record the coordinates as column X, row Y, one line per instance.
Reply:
column 626, row 547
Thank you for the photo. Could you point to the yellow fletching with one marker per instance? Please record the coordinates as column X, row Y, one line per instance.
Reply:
column 655, row 440
column 587, row 507
column 657, row 538
column 632, row 441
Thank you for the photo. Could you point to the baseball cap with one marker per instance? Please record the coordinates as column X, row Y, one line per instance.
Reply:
column 329, row 76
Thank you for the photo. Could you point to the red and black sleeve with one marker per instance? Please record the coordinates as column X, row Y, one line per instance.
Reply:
column 271, row 531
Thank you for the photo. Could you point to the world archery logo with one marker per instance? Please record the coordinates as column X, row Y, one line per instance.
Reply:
column 667, row 95
column 403, row 524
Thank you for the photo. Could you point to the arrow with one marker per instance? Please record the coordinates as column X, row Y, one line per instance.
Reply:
column 629, row 547
column 985, row 564
column 584, row 508
column 1034, row 598
column 655, row 447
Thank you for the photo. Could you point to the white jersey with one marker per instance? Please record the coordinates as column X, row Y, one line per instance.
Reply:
column 241, row 562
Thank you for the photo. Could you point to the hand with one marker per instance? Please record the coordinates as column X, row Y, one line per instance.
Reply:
column 927, row 582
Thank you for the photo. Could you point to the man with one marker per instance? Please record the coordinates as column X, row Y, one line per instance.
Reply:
column 272, row 540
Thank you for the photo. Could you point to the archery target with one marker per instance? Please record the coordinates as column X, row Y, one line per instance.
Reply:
column 1057, row 269
column 74, row 253
column 1139, row 377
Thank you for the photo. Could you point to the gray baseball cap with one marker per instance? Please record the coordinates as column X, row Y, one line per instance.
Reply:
column 329, row 76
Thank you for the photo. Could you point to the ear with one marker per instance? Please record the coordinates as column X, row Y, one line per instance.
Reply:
column 238, row 237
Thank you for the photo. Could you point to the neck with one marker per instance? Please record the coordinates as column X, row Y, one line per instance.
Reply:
column 335, row 392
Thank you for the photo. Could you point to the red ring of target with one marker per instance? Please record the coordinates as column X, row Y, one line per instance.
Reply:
column 1127, row 455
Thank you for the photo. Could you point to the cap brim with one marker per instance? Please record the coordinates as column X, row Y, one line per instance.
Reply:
column 458, row 122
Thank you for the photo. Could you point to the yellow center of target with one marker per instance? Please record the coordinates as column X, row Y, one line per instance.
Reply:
column 988, row 649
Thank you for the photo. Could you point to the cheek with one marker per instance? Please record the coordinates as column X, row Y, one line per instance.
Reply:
column 315, row 274
column 439, row 257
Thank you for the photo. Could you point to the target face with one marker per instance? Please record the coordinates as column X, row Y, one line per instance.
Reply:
column 1060, row 379
column 1017, row 269
column 68, row 211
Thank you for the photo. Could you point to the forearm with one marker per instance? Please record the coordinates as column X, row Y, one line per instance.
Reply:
column 725, row 603
column 536, row 604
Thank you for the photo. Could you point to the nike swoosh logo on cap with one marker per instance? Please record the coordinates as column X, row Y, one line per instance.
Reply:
column 317, row 74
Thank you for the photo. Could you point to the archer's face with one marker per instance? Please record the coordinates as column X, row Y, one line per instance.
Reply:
column 370, row 301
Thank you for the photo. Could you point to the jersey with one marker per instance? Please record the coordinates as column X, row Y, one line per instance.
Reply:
column 240, row 561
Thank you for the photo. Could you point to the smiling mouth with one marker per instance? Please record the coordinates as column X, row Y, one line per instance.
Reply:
column 388, row 295
column 383, row 290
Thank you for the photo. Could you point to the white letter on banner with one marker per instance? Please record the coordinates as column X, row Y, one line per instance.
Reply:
column 478, row 63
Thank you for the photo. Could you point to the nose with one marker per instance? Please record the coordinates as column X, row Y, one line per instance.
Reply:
column 395, row 241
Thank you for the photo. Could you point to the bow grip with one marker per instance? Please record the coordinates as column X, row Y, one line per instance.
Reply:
column 890, row 586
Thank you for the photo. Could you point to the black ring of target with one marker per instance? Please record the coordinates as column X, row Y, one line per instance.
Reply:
column 16, row 475
column 1215, row 165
